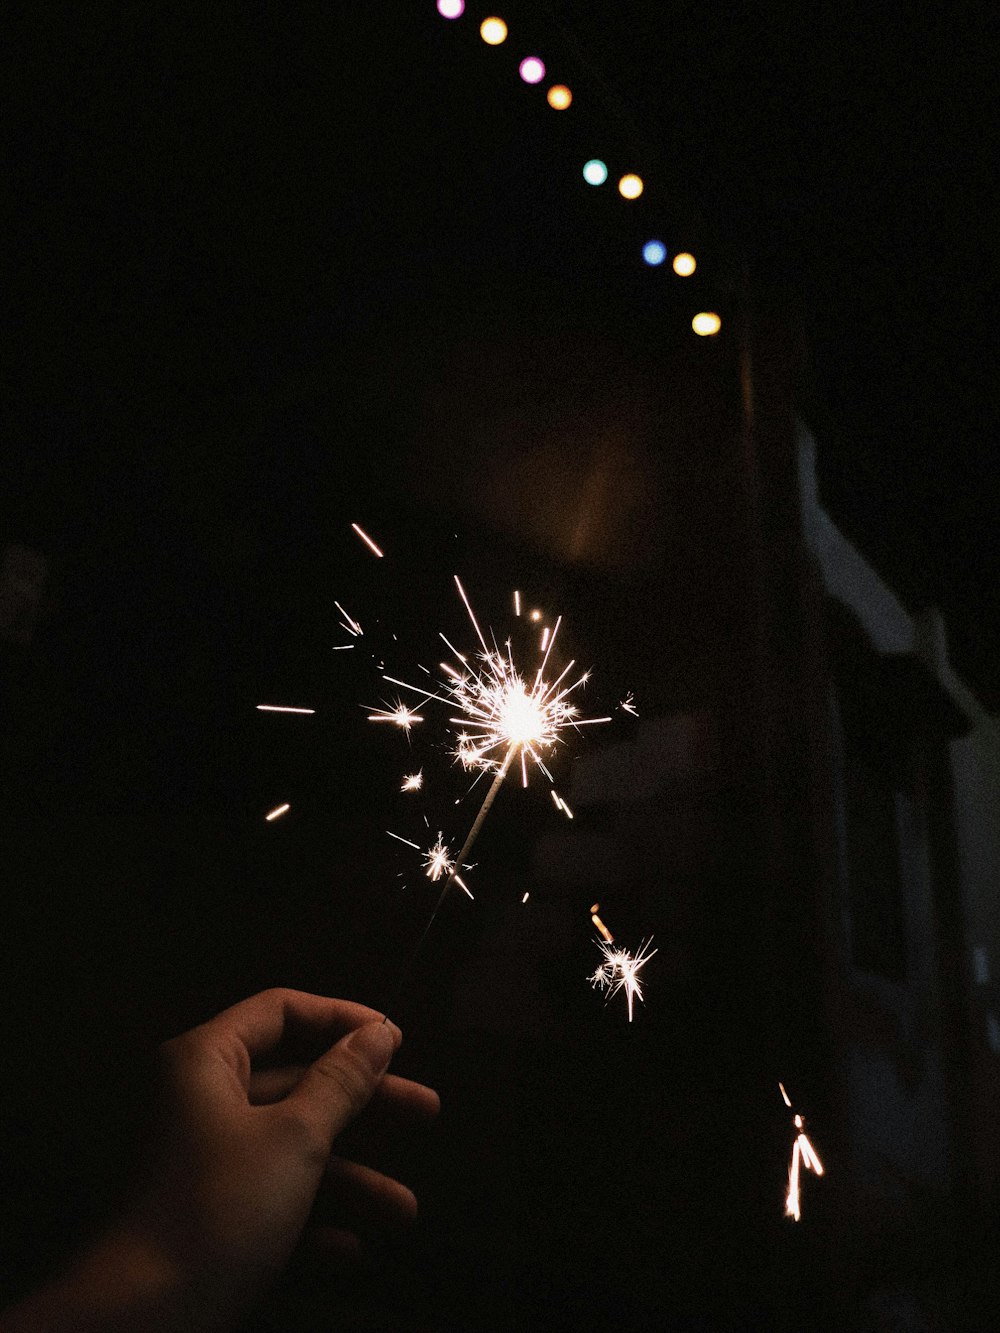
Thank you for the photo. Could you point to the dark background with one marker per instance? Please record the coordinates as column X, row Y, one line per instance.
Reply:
column 272, row 272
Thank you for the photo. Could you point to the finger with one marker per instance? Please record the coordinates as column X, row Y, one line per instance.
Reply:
column 268, row 1086
column 397, row 1103
column 339, row 1085
column 401, row 1103
column 261, row 1022
column 365, row 1197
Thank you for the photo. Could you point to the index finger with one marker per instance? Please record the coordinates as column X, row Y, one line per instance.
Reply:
column 261, row 1022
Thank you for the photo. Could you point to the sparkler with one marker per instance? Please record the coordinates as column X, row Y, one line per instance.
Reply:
column 619, row 969
column 504, row 715
column 802, row 1153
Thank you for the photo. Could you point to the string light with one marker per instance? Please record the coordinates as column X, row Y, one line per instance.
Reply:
column 654, row 253
column 493, row 31
column 595, row 172
column 684, row 264
column 630, row 186
column 706, row 323
column 531, row 69
column 559, row 97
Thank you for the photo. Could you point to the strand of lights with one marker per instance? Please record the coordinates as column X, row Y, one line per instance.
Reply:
column 494, row 32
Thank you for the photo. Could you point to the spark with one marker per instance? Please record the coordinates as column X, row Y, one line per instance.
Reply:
column 352, row 625
column 517, row 603
column 281, row 708
column 560, row 804
column 525, row 898
column 366, row 539
column 413, row 781
column 803, row 1154
column 438, row 861
column 398, row 714
column 619, row 970
column 277, row 812
column 339, row 647
column 627, row 705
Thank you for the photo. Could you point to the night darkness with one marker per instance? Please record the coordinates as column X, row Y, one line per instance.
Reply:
column 271, row 270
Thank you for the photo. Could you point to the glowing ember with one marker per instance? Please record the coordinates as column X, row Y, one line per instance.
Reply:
column 277, row 812
column 280, row 708
column 413, row 781
column 803, row 1154
column 366, row 539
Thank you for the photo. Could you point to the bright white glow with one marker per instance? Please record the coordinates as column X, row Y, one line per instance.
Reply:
column 559, row 97
column 398, row 714
column 277, row 812
column 493, row 31
column 524, row 899
column 413, row 781
column 619, row 970
column 532, row 70
column 451, row 9
column 654, row 253
column 706, row 323
column 595, row 172
column 630, row 186
column 684, row 264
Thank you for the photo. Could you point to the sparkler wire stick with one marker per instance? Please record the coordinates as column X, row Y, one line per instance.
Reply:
column 459, row 862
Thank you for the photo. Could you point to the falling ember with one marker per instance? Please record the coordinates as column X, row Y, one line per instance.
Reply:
column 352, row 625
column 599, row 924
column 277, row 812
column 366, row 539
column 524, row 899
column 413, row 781
column 545, row 638
column 804, row 1154
column 280, row 708
column 517, row 603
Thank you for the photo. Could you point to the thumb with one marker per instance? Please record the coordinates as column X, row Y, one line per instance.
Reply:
column 340, row 1084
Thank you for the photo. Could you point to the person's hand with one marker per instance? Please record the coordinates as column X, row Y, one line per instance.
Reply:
column 253, row 1101
column 247, row 1132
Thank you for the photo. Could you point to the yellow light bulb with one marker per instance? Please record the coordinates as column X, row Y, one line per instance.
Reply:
column 684, row 264
column 630, row 186
column 493, row 31
column 706, row 323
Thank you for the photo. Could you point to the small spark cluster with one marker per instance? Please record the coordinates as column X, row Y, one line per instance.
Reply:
column 619, row 969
